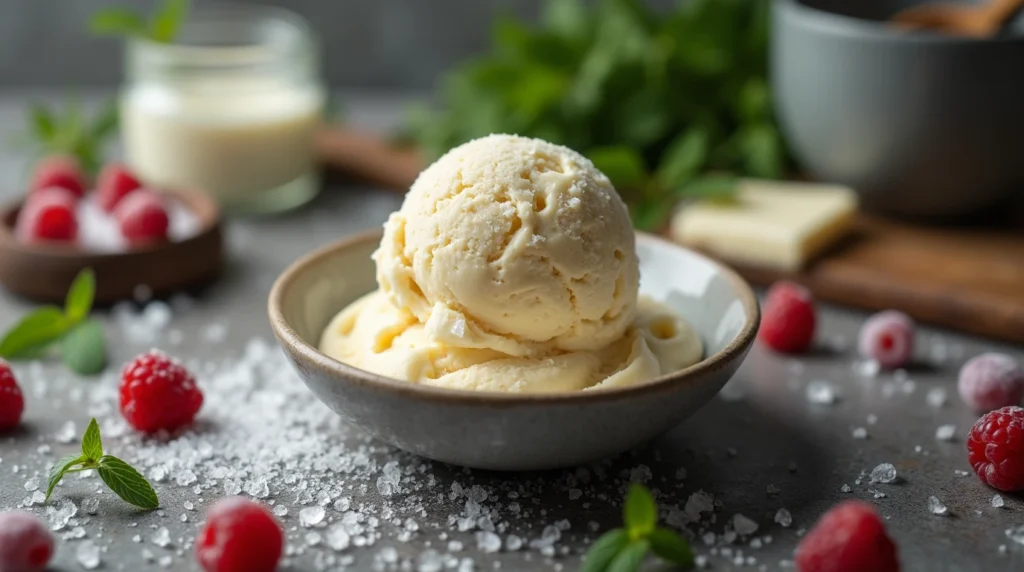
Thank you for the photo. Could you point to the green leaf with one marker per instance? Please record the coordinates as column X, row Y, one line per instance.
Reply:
column 631, row 557
column 42, row 326
column 59, row 468
column 84, row 348
column 716, row 187
column 92, row 444
column 604, row 550
column 42, row 122
column 567, row 18
column 167, row 21
column 762, row 151
column 623, row 165
column 127, row 483
column 106, row 121
column 684, row 158
column 671, row 547
column 78, row 302
column 648, row 215
column 117, row 22
column 640, row 513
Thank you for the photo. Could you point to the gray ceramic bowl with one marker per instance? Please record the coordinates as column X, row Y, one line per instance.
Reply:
column 514, row 431
column 920, row 123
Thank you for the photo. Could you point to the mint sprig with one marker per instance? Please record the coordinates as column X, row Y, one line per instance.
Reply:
column 162, row 26
column 69, row 132
column 624, row 549
column 656, row 99
column 122, row 478
column 83, row 346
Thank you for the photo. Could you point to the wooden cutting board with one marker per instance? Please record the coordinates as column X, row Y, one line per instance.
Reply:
column 967, row 278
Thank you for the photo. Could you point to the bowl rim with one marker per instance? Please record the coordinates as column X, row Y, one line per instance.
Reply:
column 853, row 27
column 303, row 351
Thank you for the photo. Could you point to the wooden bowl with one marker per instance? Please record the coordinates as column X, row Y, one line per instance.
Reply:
column 43, row 273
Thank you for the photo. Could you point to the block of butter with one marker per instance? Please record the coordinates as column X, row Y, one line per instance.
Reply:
column 772, row 224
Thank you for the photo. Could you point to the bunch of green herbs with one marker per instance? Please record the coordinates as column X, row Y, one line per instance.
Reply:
column 51, row 131
column 669, row 105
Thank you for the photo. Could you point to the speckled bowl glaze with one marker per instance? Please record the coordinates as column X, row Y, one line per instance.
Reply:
column 500, row 431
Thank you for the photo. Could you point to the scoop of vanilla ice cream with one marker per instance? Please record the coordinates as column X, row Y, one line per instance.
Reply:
column 515, row 245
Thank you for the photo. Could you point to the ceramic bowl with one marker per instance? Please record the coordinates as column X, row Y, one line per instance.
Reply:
column 921, row 124
column 501, row 431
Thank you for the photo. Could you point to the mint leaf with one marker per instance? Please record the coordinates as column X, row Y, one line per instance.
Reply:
column 684, row 158
column 43, row 326
column 567, row 18
column 604, row 550
column 106, row 121
column 84, row 349
column 671, row 547
column 126, row 482
column 42, row 121
column 623, row 165
column 168, row 19
column 92, row 444
column 80, row 296
column 631, row 557
column 640, row 513
column 59, row 468
column 117, row 22
column 762, row 151
column 715, row 187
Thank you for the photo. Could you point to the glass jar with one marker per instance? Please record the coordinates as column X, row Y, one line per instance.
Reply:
column 230, row 108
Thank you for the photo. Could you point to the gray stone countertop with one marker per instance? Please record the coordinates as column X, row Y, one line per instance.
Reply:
column 759, row 447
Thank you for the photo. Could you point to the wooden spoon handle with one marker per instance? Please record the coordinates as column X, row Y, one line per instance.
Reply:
column 367, row 157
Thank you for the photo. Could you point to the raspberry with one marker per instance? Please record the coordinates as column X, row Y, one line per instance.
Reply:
column 995, row 448
column 789, row 318
column 888, row 338
column 990, row 381
column 25, row 543
column 158, row 393
column 848, row 538
column 12, row 404
column 58, row 171
column 114, row 183
column 239, row 536
column 142, row 217
column 48, row 215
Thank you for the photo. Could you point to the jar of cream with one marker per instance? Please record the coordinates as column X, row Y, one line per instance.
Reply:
column 230, row 108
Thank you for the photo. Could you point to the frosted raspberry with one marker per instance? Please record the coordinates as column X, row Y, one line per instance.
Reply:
column 12, row 403
column 25, row 543
column 990, row 381
column 789, row 318
column 58, row 171
column 888, row 338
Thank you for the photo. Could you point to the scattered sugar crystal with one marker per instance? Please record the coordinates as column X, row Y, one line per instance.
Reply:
column 429, row 560
column 313, row 538
column 1002, row 549
column 729, row 536
column 743, row 525
column 311, row 516
column 548, row 538
column 771, row 490
column 1016, row 534
column 280, row 510
column 868, row 368
column 884, row 473
column 67, row 433
column 215, row 333
column 997, row 501
column 337, row 537
column 945, row 432
column 165, row 561
column 961, row 472
column 91, row 505
column 137, row 538
column 821, row 393
column 936, row 397
column 845, row 488
column 185, row 477
column 75, row 533
column 877, row 494
column 258, row 488
column 32, row 484
column 697, row 503
column 783, row 517
column 162, row 537
column 860, row 433
column 872, row 419
column 487, row 542
column 935, row 506
column 189, row 506
column 513, row 543
column 342, row 504
column 88, row 555
column 60, row 515
column 411, row 525
column 183, row 517
column 575, row 494
column 640, row 474
column 708, row 538
column 700, row 561
column 158, row 474
column 455, row 546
